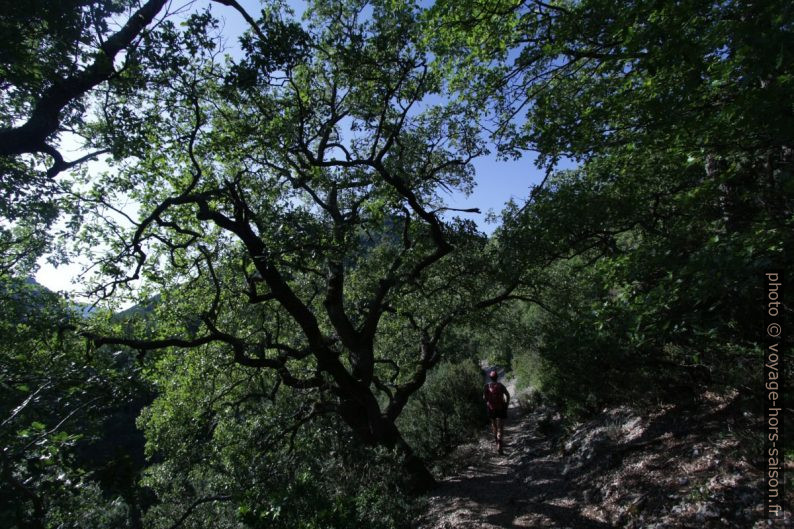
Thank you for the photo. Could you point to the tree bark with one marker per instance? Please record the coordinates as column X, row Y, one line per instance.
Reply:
column 372, row 428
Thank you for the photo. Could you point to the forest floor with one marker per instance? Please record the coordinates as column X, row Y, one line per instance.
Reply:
column 675, row 467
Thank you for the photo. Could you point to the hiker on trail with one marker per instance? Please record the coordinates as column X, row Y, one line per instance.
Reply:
column 496, row 399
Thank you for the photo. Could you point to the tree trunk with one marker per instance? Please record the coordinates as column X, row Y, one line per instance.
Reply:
column 420, row 479
column 373, row 429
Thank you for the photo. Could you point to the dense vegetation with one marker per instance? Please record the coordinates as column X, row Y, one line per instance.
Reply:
column 309, row 314
column 649, row 255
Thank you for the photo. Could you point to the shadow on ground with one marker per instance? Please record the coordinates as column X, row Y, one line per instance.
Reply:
column 675, row 467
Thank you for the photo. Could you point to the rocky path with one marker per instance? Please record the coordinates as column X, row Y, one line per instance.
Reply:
column 664, row 470
column 524, row 487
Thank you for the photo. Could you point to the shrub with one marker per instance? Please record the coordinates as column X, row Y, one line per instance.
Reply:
column 447, row 411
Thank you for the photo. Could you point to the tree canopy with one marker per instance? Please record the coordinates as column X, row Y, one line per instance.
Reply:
column 290, row 210
column 680, row 117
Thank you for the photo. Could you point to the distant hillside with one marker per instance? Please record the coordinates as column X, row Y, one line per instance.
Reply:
column 81, row 309
column 141, row 309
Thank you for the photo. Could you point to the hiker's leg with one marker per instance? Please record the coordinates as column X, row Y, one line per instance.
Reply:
column 494, row 428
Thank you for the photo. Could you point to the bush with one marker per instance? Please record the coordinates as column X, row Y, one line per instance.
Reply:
column 530, row 399
column 226, row 455
column 447, row 411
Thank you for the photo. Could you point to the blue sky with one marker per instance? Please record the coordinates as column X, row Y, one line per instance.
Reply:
column 496, row 183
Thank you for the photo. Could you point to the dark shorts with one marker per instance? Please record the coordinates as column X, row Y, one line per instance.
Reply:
column 497, row 414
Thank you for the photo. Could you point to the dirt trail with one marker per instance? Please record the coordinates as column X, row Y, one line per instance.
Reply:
column 525, row 487
column 668, row 469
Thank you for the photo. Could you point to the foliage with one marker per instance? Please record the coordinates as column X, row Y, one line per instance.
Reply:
column 632, row 311
column 52, row 55
column 447, row 411
column 307, row 313
column 647, row 261
column 56, row 404
column 234, row 446
column 290, row 209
